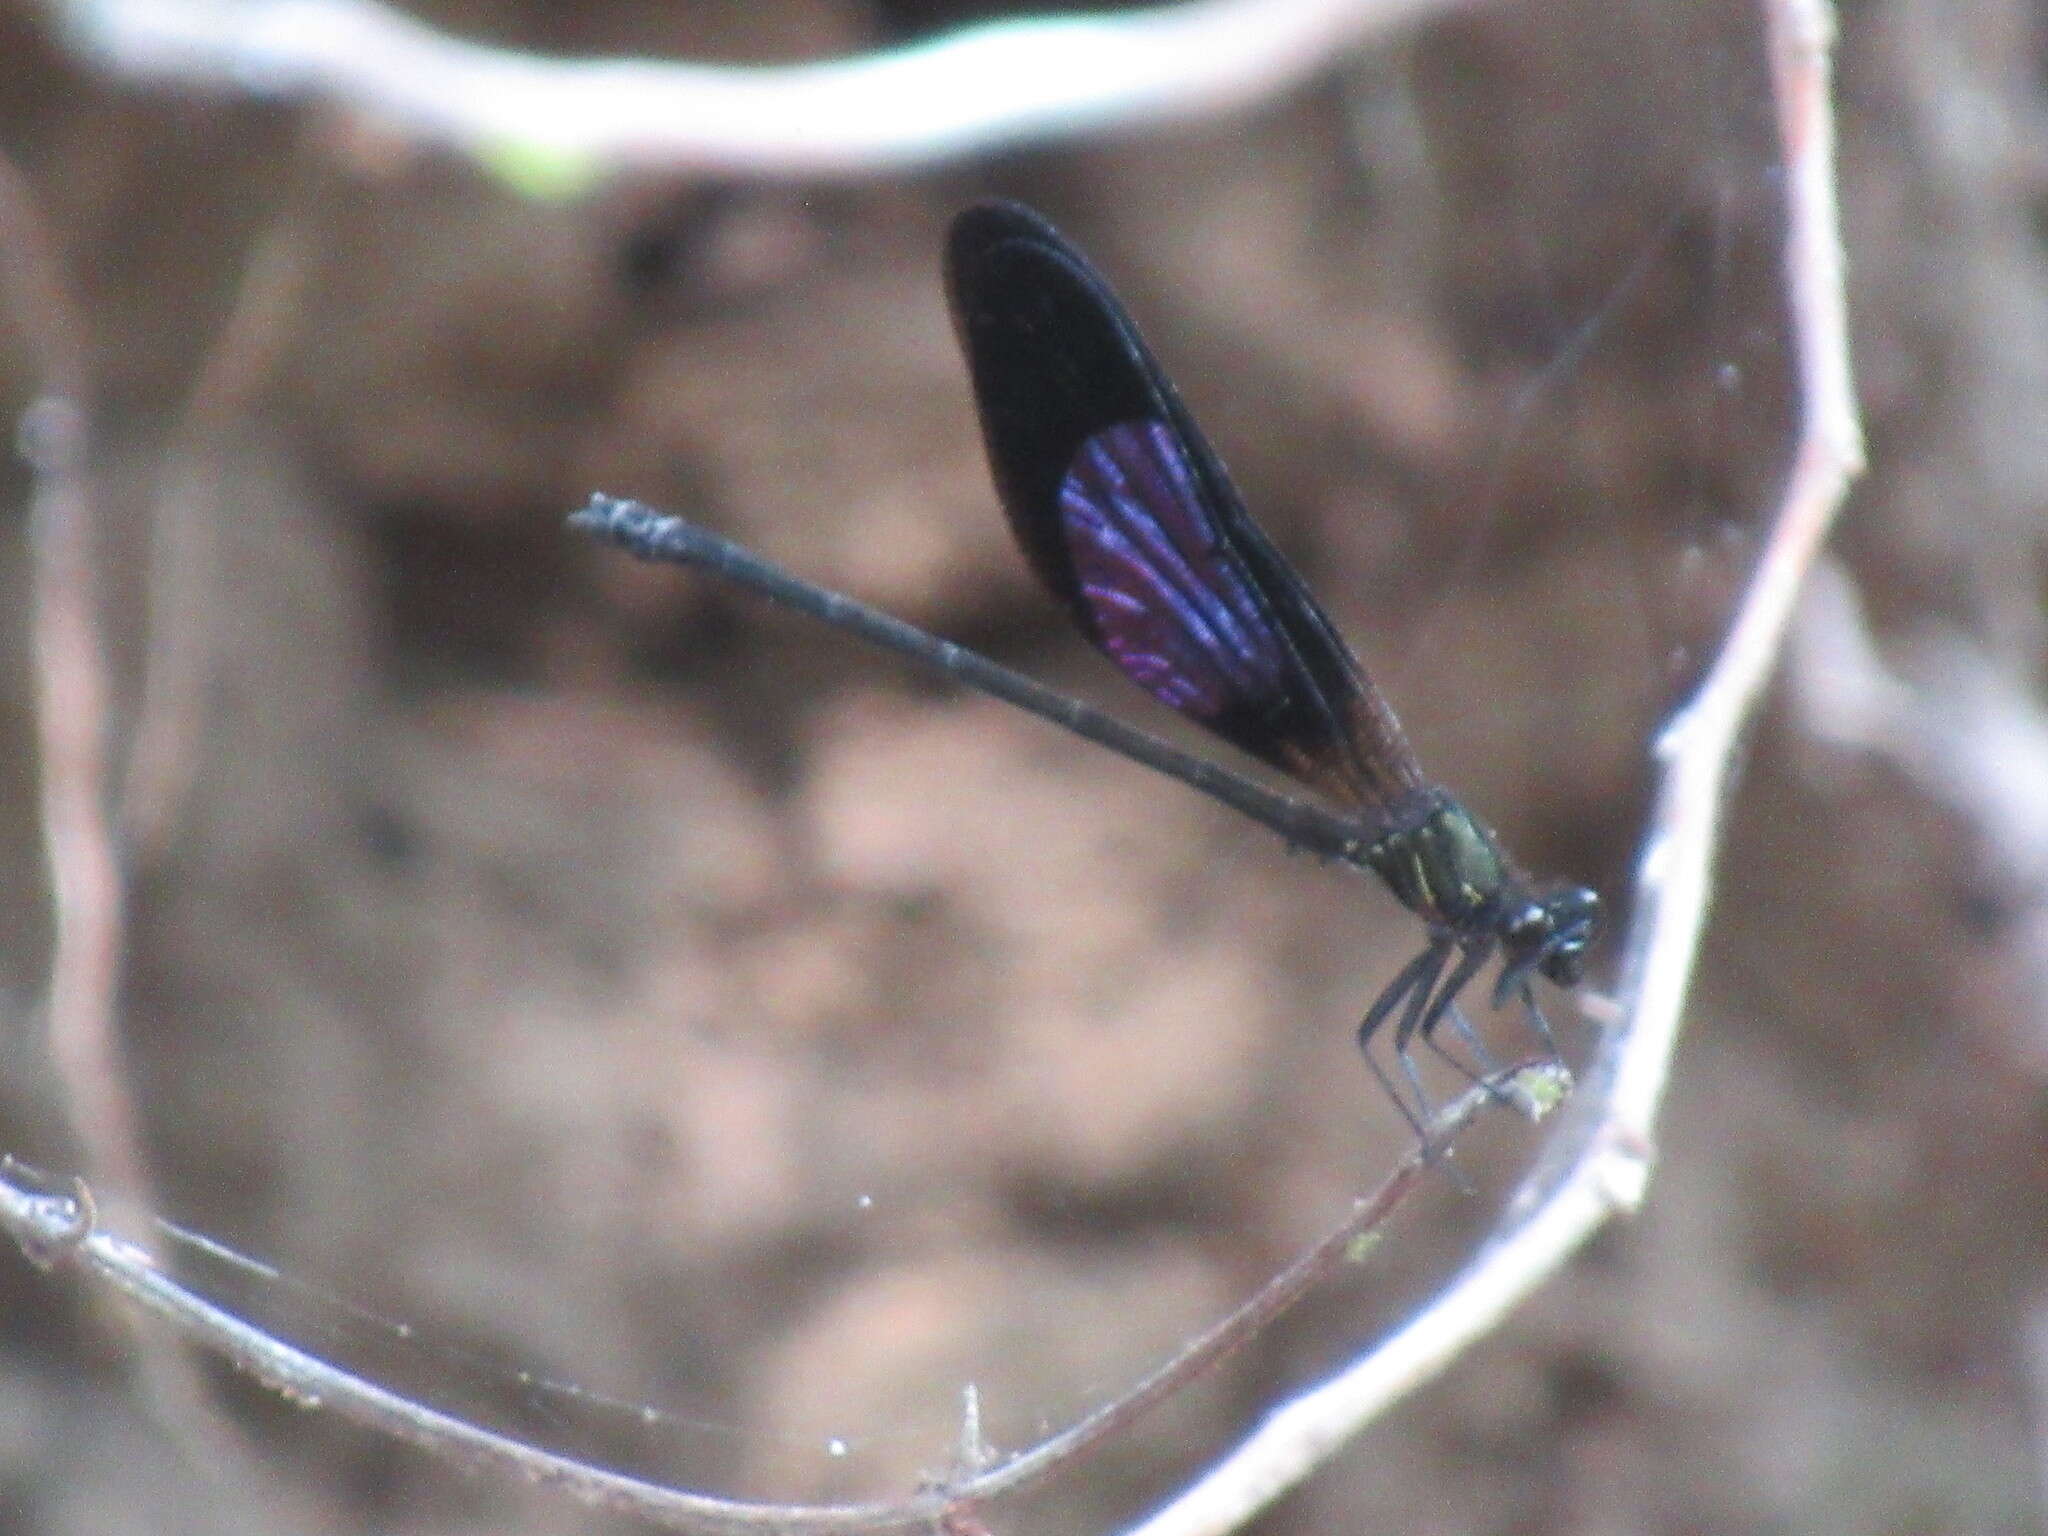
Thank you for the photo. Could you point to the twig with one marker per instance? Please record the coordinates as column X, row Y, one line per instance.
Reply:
column 183, row 618
column 71, row 700
column 966, row 93
column 1307, row 1271
column 59, row 1229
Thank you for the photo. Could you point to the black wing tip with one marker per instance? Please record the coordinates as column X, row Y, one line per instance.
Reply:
column 983, row 227
column 990, row 220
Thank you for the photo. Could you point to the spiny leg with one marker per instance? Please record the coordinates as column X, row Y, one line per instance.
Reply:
column 1488, row 1069
column 1387, row 1087
column 1410, row 991
column 1542, row 1024
column 1415, row 1007
column 1417, row 979
column 1445, row 1005
column 1426, row 1011
column 1397, row 992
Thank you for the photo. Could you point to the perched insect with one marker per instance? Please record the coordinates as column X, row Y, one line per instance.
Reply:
column 1127, row 517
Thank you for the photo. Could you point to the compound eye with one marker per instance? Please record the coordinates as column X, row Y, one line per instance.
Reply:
column 1566, row 963
column 1572, row 918
column 1529, row 925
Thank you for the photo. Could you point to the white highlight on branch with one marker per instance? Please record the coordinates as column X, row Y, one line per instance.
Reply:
column 1970, row 733
column 961, row 94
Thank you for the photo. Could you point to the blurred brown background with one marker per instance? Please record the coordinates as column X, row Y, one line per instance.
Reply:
column 632, row 985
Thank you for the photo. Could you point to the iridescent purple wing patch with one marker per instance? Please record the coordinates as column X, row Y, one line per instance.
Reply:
column 1165, row 601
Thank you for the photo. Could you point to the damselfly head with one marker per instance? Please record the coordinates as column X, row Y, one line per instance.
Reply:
column 1550, row 934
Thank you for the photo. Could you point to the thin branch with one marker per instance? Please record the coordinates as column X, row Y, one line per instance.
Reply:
column 183, row 612
column 972, row 91
column 54, row 1229
column 72, row 694
column 1534, row 1088
column 1700, row 742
